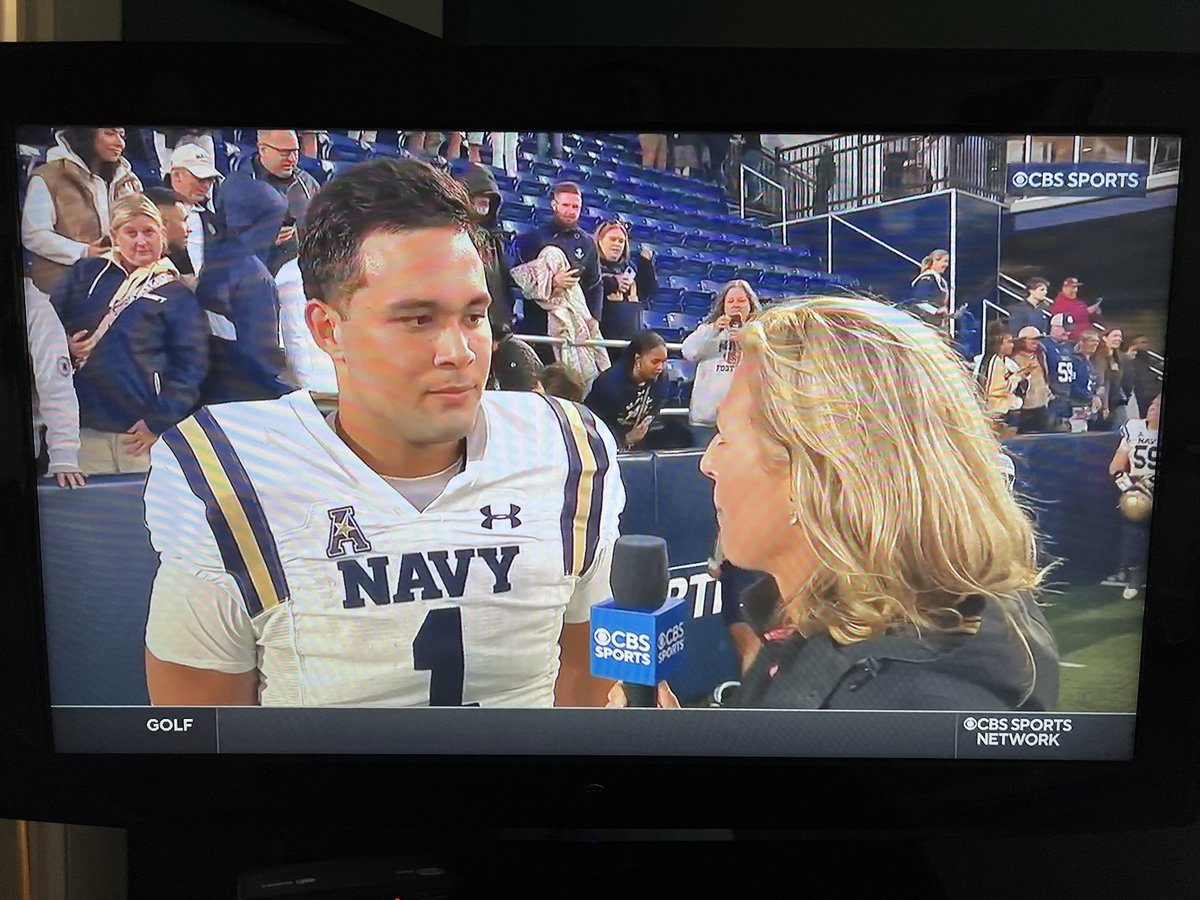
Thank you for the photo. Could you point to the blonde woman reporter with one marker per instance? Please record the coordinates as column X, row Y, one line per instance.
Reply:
column 854, row 464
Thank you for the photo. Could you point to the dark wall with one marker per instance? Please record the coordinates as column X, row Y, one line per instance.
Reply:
column 221, row 20
column 1022, row 25
column 1019, row 25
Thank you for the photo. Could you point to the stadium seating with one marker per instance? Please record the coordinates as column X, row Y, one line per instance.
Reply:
column 684, row 321
column 346, row 149
column 700, row 242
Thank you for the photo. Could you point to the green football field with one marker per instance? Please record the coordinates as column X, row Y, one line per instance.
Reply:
column 1099, row 638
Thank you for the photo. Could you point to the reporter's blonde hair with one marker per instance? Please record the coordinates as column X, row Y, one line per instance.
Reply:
column 894, row 470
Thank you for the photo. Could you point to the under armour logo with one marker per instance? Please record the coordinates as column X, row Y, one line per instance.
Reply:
column 343, row 530
column 489, row 517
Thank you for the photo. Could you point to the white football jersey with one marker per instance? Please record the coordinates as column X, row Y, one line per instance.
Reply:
column 282, row 551
column 1141, row 443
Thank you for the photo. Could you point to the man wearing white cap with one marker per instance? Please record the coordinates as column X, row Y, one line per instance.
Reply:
column 194, row 176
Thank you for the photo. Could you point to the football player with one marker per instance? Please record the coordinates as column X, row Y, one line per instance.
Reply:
column 428, row 544
column 1133, row 468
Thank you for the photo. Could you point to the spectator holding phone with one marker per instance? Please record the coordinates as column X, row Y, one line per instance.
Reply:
column 577, row 245
column 1030, row 355
column 1068, row 303
column 1002, row 378
column 277, row 163
column 629, row 395
column 714, row 349
column 627, row 285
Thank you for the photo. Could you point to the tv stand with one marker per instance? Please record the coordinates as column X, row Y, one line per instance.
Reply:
column 343, row 862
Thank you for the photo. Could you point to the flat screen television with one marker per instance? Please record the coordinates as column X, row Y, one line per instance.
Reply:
column 864, row 477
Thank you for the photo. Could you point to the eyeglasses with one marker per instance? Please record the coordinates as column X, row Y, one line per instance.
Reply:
column 621, row 223
column 284, row 151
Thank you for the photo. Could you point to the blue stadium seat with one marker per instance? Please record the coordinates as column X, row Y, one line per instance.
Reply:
column 627, row 205
column 315, row 168
column 599, row 179
column 723, row 269
column 549, row 168
column 670, row 261
column 669, row 234
column 516, row 212
column 644, row 234
column 684, row 321
column 752, row 274
column 654, row 319
column 683, row 282
column 533, row 186
column 713, row 285
column 147, row 173
column 394, row 151
column 773, row 281
column 345, row 149
column 696, row 265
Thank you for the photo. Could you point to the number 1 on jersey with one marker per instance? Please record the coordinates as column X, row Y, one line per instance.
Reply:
column 438, row 650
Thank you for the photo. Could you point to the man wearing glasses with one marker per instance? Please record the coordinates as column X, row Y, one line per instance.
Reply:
column 277, row 162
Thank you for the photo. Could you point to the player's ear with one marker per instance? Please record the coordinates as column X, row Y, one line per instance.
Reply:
column 324, row 322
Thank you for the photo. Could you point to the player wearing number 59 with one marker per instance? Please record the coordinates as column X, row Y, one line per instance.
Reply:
column 1133, row 468
column 427, row 544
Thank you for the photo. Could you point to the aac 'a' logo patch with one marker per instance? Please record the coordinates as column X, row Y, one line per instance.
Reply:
column 64, row 367
column 343, row 530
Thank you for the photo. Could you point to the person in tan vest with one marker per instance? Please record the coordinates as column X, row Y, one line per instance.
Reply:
column 67, row 202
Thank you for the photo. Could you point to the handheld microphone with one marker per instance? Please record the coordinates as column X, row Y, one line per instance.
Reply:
column 637, row 636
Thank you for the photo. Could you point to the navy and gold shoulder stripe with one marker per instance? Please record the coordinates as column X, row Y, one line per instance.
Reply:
column 235, row 514
column 588, row 466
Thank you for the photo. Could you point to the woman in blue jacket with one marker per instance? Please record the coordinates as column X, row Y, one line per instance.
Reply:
column 136, row 336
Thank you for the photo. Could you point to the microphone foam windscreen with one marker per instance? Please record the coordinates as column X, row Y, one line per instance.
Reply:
column 639, row 571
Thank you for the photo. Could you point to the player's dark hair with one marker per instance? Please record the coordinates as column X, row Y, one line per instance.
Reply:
column 1035, row 283
column 642, row 343
column 566, row 187
column 387, row 195
column 559, row 381
column 165, row 196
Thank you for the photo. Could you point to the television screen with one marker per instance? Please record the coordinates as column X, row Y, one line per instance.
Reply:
column 673, row 444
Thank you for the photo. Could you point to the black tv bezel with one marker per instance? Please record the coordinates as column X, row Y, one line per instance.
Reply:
column 627, row 89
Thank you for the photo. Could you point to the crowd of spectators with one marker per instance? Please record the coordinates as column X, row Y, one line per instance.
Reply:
column 193, row 285
column 1055, row 366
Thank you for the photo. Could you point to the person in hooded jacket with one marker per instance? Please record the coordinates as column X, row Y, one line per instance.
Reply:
column 66, row 213
column 241, row 301
column 485, row 194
